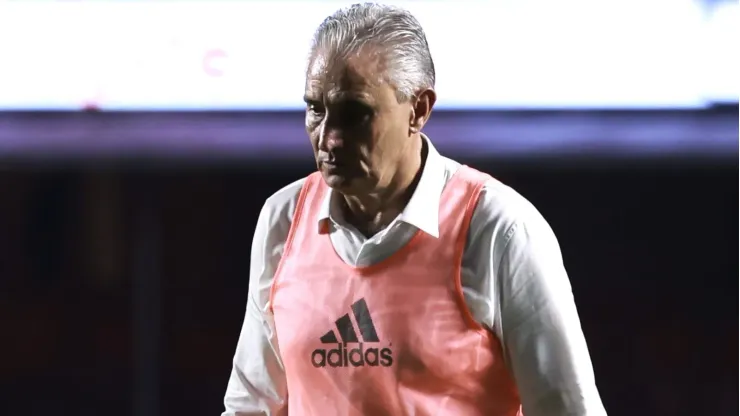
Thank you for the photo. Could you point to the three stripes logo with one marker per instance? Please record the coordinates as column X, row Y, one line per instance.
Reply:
column 359, row 356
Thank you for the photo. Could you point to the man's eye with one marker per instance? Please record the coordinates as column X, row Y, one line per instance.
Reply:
column 357, row 113
column 315, row 109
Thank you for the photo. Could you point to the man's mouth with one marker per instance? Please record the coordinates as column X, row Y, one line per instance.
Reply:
column 333, row 164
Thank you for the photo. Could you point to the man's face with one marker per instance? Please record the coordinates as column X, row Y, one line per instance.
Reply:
column 358, row 130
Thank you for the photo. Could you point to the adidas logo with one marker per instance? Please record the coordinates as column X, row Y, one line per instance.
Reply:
column 360, row 356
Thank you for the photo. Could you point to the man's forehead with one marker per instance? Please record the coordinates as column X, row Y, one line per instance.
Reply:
column 358, row 73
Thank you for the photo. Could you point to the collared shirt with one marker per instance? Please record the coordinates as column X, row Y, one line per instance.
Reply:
column 513, row 279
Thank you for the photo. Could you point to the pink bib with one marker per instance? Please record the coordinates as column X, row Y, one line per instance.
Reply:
column 394, row 338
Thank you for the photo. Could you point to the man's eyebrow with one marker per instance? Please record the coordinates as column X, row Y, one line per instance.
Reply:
column 344, row 96
column 309, row 98
column 350, row 96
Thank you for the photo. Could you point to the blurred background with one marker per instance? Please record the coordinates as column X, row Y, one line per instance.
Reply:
column 139, row 140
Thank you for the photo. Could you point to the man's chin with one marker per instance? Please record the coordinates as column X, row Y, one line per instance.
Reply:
column 343, row 184
column 336, row 181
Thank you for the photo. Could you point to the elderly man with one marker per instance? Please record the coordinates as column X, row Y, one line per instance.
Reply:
column 395, row 281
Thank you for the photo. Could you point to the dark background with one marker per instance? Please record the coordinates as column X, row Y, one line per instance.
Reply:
column 123, row 281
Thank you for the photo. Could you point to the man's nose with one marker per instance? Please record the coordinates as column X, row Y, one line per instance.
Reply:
column 329, row 138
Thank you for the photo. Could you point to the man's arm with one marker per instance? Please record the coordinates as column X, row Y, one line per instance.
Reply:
column 541, row 330
column 257, row 385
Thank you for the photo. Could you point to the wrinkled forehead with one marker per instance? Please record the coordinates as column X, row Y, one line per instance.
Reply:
column 332, row 74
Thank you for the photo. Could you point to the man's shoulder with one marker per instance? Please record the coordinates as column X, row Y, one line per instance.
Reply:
column 506, row 210
column 276, row 216
column 500, row 207
column 498, row 202
column 497, row 196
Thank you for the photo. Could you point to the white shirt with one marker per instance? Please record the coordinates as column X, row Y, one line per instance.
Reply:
column 513, row 279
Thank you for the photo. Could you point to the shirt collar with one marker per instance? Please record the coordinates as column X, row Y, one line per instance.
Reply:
column 417, row 212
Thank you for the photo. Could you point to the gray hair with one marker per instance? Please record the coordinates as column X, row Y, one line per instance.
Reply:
column 403, row 42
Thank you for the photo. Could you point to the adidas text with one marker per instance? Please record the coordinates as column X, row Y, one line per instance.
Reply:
column 343, row 356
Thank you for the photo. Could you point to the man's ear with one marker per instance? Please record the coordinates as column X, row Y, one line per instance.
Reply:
column 421, row 109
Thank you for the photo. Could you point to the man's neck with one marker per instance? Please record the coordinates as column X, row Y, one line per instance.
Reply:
column 371, row 213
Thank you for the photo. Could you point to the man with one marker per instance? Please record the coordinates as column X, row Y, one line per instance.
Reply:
column 394, row 281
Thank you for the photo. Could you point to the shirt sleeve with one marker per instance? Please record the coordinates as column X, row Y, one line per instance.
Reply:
column 257, row 384
column 540, row 326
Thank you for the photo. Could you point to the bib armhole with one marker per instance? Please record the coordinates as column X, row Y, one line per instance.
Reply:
column 459, row 251
column 477, row 181
column 297, row 215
